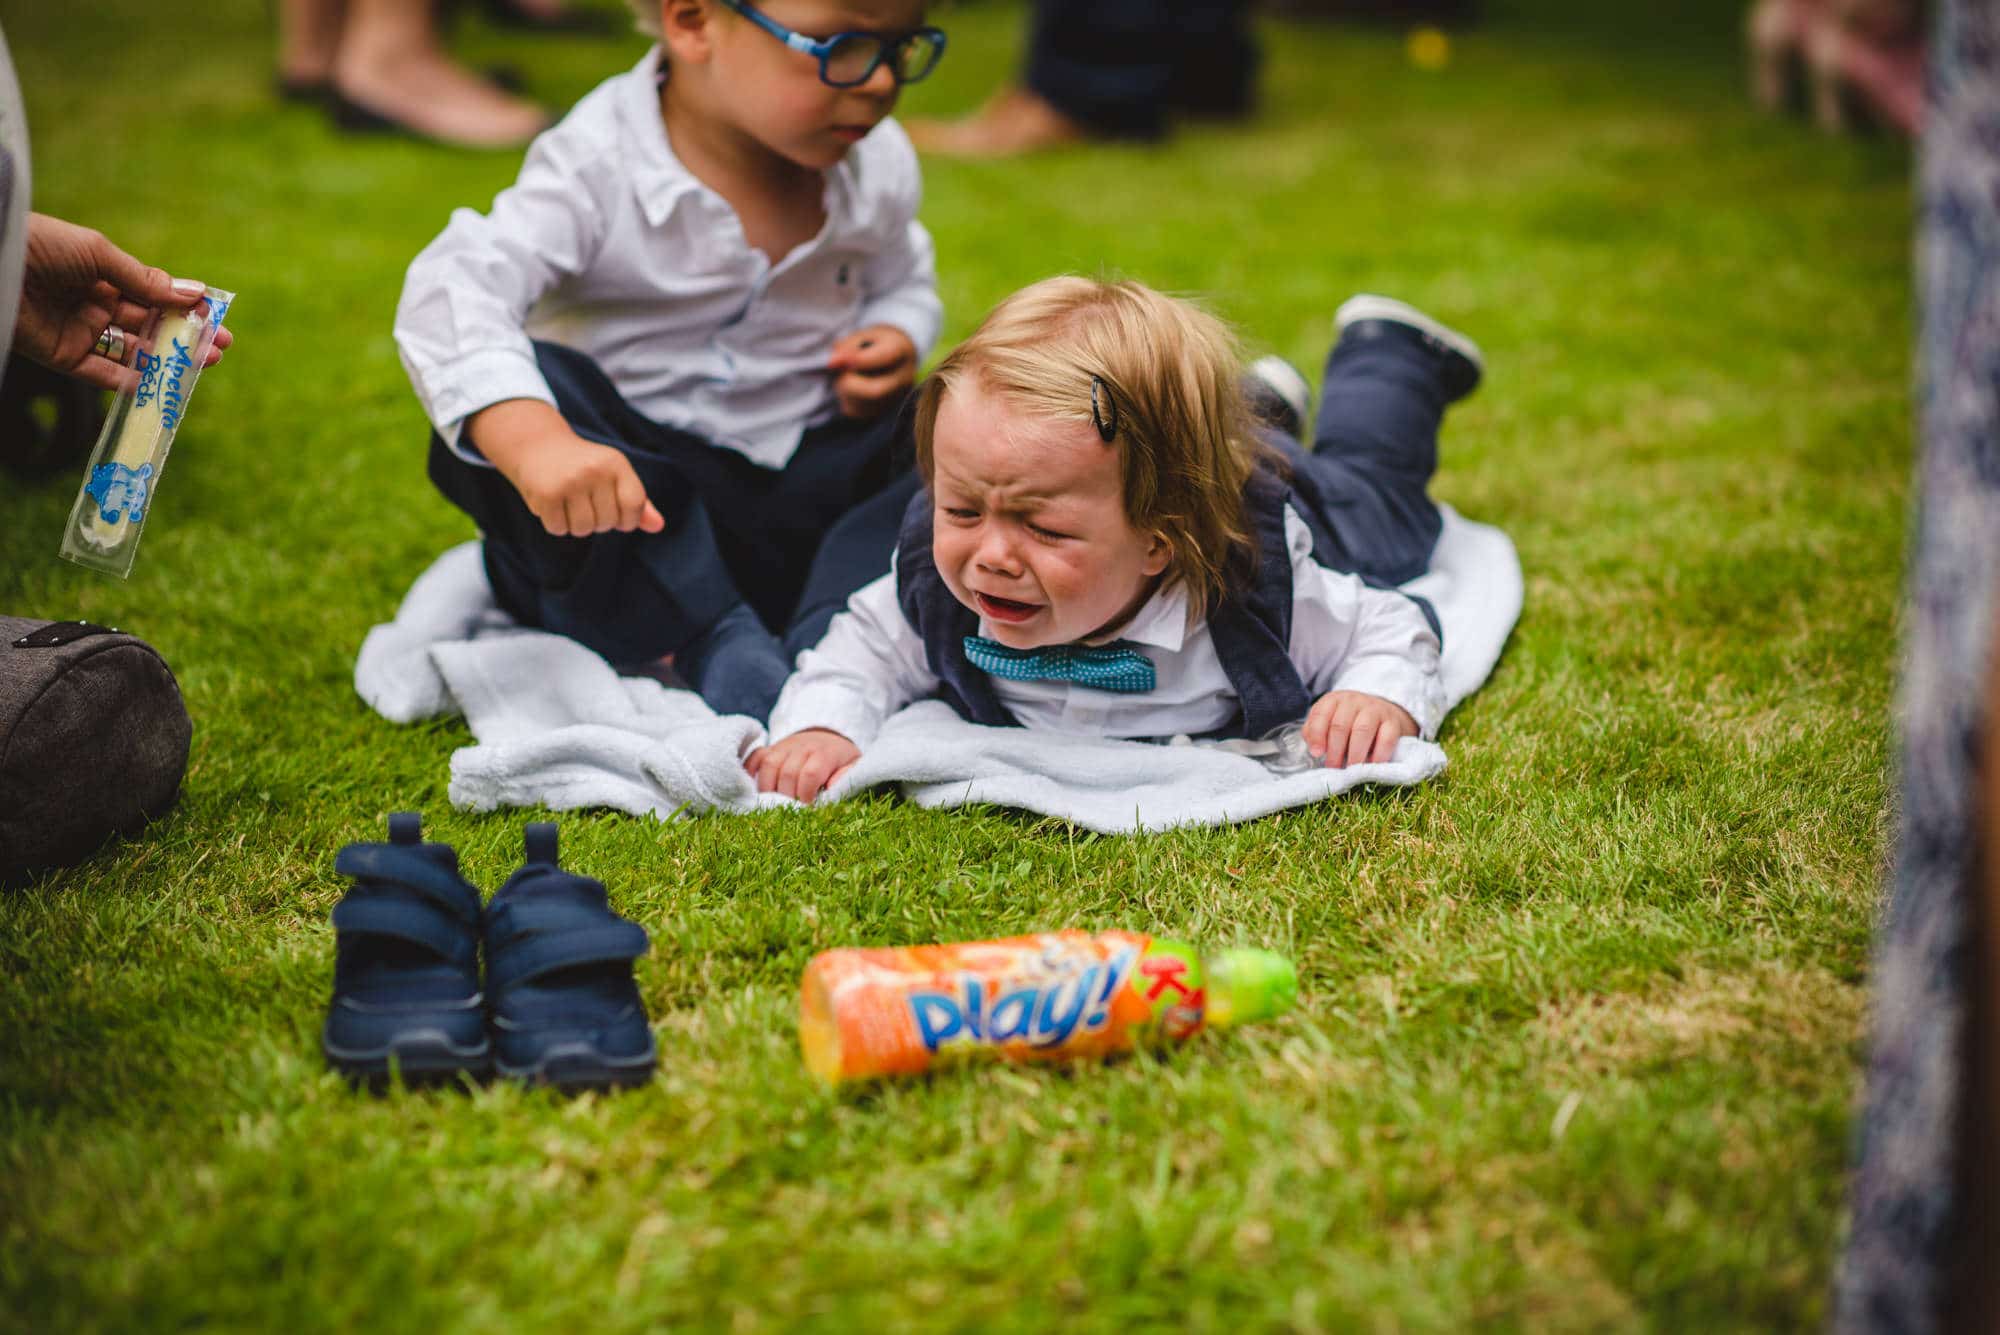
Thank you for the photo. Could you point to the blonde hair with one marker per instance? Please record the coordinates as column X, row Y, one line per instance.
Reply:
column 1171, row 371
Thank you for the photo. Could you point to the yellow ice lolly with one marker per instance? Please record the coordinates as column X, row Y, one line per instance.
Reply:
column 112, row 504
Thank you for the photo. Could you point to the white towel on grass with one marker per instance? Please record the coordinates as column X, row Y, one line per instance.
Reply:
column 556, row 726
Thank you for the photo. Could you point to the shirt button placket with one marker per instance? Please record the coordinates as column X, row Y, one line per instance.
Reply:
column 1081, row 709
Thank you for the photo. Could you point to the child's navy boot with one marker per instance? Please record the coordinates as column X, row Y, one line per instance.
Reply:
column 565, row 1010
column 406, row 968
column 1459, row 362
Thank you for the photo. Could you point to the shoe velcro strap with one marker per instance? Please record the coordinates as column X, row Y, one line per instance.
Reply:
column 414, row 920
column 514, row 917
column 606, row 942
column 389, row 864
column 563, row 891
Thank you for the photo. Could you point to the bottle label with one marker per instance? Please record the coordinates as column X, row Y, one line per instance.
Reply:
column 1055, row 995
column 1065, row 996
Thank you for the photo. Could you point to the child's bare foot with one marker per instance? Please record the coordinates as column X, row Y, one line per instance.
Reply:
column 1015, row 122
column 433, row 97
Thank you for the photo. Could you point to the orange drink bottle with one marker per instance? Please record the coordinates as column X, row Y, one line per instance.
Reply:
column 1053, row 996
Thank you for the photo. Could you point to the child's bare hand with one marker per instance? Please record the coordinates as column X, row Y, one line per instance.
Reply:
column 802, row 765
column 1350, row 727
column 872, row 368
column 576, row 487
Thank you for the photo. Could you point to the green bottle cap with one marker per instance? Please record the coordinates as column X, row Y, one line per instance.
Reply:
column 1246, row 985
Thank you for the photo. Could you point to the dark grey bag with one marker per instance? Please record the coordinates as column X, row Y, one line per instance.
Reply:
column 93, row 740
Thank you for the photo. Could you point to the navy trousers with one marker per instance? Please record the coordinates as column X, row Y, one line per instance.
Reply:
column 1364, row 487
column 792, row 543
column 1120, row 67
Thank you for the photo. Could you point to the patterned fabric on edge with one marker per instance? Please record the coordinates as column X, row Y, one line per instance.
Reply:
column 1905, row 1196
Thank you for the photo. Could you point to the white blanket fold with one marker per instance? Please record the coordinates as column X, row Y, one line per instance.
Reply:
column 556, row 726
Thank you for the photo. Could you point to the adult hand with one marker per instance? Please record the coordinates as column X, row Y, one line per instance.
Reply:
column 1349, row 727
column 76, row 285
column 802, row 765
column 872, row 368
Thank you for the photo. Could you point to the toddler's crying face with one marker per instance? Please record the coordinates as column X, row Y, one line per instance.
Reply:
column 1029, row 524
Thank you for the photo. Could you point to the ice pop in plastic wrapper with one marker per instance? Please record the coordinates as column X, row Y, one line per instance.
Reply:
column 125, row 468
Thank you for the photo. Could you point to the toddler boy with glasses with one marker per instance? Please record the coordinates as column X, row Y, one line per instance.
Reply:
column 664, row 369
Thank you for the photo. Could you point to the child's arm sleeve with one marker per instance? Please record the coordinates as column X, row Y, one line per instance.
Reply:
column 460, row 324
column 869, row 665
column 1347, row 636
column 899, row 281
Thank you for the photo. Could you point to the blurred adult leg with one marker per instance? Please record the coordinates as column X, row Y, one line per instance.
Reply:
column 1865, row 59
column 391, row 71
column 308, row 39
column 1111, row 69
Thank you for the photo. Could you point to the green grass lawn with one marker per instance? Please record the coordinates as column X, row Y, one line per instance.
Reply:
column 1581, row 1019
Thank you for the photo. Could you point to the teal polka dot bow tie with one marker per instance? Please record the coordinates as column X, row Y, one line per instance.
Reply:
column 1107, row 667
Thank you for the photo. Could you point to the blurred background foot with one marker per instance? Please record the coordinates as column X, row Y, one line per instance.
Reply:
column 381, row 66
column 1016, row 121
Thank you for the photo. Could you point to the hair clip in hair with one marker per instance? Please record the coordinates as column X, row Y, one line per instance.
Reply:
column 1103, row 409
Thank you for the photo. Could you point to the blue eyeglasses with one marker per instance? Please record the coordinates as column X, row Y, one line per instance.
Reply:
column 849, row 59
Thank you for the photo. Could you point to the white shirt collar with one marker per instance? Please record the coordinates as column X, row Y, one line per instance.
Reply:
column 1162, row 621
column 658, row 178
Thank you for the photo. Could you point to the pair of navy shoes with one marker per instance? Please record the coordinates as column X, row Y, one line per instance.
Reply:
column 559, row 1005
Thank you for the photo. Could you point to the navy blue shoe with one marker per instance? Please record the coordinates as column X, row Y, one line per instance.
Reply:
column 1460, row 364
column 406, row 968
column 564, row 1008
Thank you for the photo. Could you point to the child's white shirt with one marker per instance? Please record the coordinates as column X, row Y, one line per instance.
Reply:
column 608, row 245
column 1346, row 636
